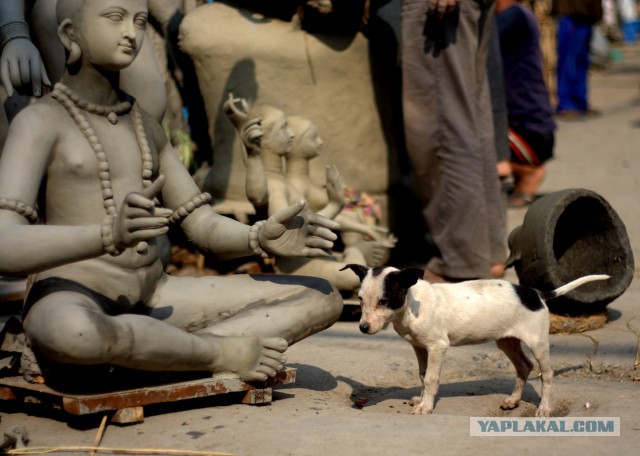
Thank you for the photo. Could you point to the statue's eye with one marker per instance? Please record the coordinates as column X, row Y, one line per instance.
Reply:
column 382, row 302
column 115, row 17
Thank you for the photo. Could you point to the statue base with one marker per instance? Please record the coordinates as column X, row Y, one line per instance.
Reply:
column 127, row 406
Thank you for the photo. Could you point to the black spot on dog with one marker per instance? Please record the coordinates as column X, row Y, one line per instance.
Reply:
column 397, row 283
column 377, row 271
column 529, row 297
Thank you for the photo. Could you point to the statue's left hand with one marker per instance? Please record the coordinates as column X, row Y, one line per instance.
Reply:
column 294, row 231
column 20, row 65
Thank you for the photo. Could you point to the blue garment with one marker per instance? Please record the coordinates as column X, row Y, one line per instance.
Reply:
column 528, row 104
column 574, row 38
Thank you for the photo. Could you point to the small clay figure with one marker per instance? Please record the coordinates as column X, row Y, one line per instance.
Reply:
column 266, row 134
column 88, row 182
column 357, row 213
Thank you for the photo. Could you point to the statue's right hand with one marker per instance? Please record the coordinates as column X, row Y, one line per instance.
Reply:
column 236, row 114
column 20, row 65
column 139, row 219
column 252, row 137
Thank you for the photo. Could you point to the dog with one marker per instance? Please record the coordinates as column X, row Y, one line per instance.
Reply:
column 432, row 317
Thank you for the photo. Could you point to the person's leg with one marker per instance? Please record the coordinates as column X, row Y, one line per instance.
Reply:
column 582, row 43
column 566, row 65
column 288, row 307
column 446, row 108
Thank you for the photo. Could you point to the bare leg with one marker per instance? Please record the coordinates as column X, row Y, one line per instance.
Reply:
column 512, row 348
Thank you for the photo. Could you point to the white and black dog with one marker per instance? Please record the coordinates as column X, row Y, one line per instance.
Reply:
column 432, row 317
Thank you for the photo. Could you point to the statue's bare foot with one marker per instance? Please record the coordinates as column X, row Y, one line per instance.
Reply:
column 251, row 358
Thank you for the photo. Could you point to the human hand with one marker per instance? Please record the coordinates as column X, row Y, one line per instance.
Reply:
column 252, row 137
column 439, row 8
column 236, row 114
column 139, row 219
column 335, row 190
column 20, row 65
column 295, row 232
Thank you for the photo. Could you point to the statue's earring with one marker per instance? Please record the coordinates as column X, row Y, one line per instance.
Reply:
column 74, row 54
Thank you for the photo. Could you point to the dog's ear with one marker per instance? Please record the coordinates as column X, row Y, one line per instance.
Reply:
column 409, row 276
column 360, row 270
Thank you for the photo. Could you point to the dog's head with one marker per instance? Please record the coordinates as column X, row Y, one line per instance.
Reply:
column 383, row 292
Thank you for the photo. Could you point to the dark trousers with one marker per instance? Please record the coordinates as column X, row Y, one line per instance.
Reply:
column 574, row 39
column 449, row 135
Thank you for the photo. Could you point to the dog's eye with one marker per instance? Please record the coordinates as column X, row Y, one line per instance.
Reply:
column 382, row 302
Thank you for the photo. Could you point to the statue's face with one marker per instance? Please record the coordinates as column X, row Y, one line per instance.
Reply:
column 281, row 137
column 310, row 143
column 112, row 32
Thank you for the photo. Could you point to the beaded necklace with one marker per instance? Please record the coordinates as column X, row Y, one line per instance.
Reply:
column 71, row 102
column 74, row 106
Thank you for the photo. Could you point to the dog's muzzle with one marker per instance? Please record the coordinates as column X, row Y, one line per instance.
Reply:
column 364, row 327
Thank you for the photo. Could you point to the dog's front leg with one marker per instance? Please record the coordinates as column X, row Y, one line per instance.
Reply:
column 423, row 358
column 431, row 379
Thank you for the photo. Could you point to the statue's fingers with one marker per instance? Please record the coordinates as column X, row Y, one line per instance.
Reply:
column 322, row 233
column 36, row 77
column 286, row 214
column 313, row 252
column 322, row 222
column 5, row 78
column 155, row 188
column 147, row 223
column 318, row 243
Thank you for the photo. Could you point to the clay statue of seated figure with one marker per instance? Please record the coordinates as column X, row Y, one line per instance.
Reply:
column 266, row 134
column 357, row 213
column 106, row 183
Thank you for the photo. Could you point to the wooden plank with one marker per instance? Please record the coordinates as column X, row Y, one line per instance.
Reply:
column 18, row 388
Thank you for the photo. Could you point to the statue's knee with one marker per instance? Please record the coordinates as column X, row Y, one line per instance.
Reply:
column 76, row 337
column 327, row 297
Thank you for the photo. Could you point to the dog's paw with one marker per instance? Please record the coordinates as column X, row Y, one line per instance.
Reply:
column 543, row 412
column 421, row 410
column 509, row 403
column 415, row 401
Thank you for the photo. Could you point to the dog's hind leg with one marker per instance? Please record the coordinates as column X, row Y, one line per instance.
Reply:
column 423, row 357
column 512, row 348
column 541, row 354
column 431, row 379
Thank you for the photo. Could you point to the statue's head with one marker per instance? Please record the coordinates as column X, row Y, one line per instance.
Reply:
column 277, row 137
column 307, row 143
column 104, row 33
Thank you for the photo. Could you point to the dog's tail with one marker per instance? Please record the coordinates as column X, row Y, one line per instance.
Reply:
column 563, row 290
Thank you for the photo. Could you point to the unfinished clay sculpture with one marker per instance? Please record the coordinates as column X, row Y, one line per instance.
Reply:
column 358, row 213
column 266, row 134
column 88, row 182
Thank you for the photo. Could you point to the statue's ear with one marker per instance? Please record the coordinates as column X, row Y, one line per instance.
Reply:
column 360, row 270
column 67, row 35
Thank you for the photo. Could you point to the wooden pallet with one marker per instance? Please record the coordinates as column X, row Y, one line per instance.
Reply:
column 128, row 404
